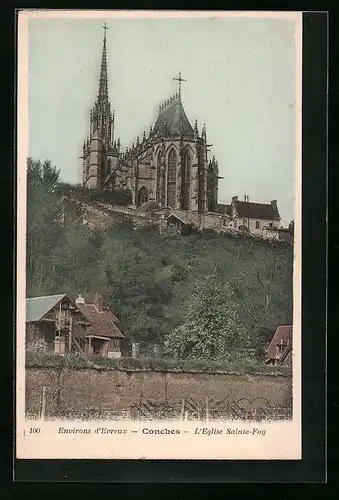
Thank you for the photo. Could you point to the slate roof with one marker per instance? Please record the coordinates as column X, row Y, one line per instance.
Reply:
column 175, row 117
column 38, row 307
column 181, row 217
column 283, row 333
column 256, row 210
column 103, row 321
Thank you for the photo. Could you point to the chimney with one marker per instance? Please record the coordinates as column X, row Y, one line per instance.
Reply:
column 274, row 205
column 99, row 301
column 235, row 199
column 80, row 300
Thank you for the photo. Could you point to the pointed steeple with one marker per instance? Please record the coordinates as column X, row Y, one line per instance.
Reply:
column 103, row 81
column 203, row 132
column 196, row 132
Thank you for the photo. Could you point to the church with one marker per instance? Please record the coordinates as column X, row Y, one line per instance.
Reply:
column 169, row 165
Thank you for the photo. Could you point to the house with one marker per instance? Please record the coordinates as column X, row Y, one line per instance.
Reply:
column 176, row 224
column 66, row 325
column 279, row 351
column 262, row 219
column 58, row 321
column 103, row 335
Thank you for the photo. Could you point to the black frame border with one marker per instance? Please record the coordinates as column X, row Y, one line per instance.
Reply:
column 312, row 467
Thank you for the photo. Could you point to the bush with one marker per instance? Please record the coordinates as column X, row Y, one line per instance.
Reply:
column 37, row 345
column 42, row 360
column 75, row 360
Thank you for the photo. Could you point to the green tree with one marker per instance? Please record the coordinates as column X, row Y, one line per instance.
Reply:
column 211, row 329
column 44, row 211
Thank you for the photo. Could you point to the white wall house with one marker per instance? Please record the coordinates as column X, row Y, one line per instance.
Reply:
column 262, row 219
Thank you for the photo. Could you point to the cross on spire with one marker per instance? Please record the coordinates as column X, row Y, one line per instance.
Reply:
column 179, row 80
column 105, row 28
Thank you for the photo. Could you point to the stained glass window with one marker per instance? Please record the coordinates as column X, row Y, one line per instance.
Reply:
column 185, row 180
column 159, row 183
column 171, row 178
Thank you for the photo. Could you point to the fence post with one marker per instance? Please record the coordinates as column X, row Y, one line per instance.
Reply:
column 207, row 412
column 186, row 416
column 133, row 413
column 198, row 411
column 182, row 412
column 43, row 403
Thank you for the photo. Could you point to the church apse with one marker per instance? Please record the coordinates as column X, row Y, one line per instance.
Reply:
column 169, row 165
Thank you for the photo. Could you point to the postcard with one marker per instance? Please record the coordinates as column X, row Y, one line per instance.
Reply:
column 159, row 235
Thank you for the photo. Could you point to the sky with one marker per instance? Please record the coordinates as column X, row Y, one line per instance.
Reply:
column 241, row 82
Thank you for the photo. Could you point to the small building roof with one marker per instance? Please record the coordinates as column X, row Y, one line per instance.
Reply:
column 180, row 218
column 283, row 334
column 252, row 210
column 38, row 307
column 102, row 321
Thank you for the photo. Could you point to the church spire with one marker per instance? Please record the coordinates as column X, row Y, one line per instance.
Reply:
column 103, row 82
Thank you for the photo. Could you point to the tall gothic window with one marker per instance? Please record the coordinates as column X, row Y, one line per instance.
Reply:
column 171, row 178
column 185, row 180
column 142, row 195
column 201, row 183
column 159, row 194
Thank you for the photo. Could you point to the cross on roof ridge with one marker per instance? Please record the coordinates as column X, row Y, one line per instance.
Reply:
column 179, row 80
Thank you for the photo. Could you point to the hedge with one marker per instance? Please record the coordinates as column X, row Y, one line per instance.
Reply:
column 77, row 362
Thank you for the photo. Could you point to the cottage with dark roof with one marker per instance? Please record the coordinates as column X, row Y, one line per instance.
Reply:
column 279, row 351
column 262, row 219
column 103, row 335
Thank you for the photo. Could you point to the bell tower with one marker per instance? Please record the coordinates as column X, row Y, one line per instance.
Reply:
column 100, row 151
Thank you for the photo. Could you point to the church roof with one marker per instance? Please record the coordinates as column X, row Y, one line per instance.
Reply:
column 172, row 119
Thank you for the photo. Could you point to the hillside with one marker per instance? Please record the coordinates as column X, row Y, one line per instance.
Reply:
column 155, row 284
